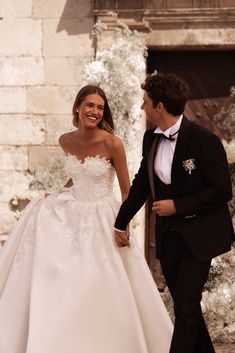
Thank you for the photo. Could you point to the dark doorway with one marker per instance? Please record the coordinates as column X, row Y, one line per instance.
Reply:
column 210, row 75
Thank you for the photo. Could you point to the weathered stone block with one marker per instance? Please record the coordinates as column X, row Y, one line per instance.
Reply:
column 57, row 125
column 16, row 8
column 43, row 156
column 61, row 8
column 209, row 36
column 14, row 157
column 71, row 40
column 65, row 71
column 21, row 71
column 12, row 100
column 170, row 4
column 21, row 37
column 21, row 130
column 50, row 100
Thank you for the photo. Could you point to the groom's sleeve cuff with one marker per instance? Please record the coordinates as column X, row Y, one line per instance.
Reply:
column 119, row 230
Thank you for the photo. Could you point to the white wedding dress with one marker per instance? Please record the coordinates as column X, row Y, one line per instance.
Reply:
column 65, row 287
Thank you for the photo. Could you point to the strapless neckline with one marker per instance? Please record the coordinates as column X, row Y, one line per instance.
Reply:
column 105, row 159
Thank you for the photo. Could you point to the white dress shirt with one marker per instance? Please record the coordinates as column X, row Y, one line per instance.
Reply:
column 165, row 152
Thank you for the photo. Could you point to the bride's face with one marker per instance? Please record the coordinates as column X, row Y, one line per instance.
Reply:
column 91, row 110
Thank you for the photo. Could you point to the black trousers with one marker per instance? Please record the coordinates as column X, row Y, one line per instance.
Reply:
column 185, row 277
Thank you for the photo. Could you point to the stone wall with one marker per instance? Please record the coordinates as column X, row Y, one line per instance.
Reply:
column 44, row 46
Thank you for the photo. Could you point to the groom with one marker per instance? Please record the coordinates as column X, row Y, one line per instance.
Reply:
column 184, row 171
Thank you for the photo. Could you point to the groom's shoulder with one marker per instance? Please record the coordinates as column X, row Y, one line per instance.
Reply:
column 202, row 137
column 201, row 132
column 148, row 136
column 149, row 133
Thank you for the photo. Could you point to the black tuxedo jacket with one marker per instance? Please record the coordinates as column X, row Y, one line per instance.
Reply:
column 200, row 194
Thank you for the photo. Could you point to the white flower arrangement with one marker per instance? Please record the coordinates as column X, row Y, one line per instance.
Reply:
column 44, row 179
column 230, row 150
column 119, row 71
column 218, row 299
column 50, row 179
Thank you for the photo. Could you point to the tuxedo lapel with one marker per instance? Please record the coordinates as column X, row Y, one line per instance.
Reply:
column 179, row 155
column 151, row 157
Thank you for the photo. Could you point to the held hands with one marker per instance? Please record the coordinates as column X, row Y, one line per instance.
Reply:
column 164, row 208
column 122, row 238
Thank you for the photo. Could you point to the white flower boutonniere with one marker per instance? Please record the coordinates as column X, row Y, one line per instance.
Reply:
column 189, row 165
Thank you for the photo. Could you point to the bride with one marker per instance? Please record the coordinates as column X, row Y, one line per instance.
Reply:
column 65, row 286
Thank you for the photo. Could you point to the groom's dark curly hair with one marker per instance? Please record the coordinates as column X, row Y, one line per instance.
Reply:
column 168, row 89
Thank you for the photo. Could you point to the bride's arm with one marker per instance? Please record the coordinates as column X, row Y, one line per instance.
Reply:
column 119, row 162
column 120, row 165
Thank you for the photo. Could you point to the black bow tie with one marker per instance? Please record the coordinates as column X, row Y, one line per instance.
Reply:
column 170, row 138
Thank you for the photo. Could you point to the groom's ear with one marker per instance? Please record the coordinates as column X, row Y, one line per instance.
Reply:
column 159, row 107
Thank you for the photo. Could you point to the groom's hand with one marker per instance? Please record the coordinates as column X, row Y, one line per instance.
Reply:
column 164, row 208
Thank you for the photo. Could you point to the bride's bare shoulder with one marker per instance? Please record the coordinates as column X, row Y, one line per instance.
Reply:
column 65, row 140
column 67, row 136
column 114, row 145
column 113, row 141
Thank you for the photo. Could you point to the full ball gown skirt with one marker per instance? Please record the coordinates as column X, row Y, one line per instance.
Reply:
column 65, row 287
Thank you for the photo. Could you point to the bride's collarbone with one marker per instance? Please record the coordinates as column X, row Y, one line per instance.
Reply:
column 84, row 150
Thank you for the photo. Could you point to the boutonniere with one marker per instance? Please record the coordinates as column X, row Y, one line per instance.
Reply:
column 189, row 165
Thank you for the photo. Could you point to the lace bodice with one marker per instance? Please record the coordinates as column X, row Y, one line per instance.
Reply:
column 92, row 179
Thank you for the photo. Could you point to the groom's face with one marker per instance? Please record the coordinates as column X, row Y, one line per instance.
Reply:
column 152, row 113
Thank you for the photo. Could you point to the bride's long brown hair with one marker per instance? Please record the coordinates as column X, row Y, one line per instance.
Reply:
column 107, row 121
